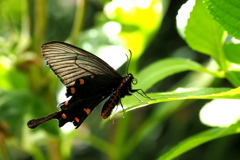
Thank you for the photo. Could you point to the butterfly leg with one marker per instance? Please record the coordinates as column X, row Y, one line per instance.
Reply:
column 122, row 108
column 142, row 93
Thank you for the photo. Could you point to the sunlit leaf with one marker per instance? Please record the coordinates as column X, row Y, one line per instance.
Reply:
column 167, row 67
column 182, row 17
column 232, row 52
column 132, row 102
column 203, row 34
column 226, row 13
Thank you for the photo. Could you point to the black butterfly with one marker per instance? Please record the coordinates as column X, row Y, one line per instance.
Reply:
column 89, row 80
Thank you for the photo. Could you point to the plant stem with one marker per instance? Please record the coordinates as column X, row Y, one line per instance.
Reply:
column 78, row 21
column 121, row 134
column 39, row 24
column 3, row 150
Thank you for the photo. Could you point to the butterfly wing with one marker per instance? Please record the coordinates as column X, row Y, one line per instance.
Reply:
column 70, row 63
column 75, row 110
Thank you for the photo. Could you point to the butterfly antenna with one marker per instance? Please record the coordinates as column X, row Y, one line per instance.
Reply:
column 129, row 60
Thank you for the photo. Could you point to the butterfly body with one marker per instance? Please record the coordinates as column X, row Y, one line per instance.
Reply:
column 89, row 81
column 123, row 89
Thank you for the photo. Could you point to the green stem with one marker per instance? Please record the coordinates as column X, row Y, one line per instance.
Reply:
column 233, row 78
column 3, row 150
column 37, row 153
column 155, row 119
column 54, row 150
column 39, row 24
column 99, row 144
column 122, row 133
column 78, row 21
column 224, row 66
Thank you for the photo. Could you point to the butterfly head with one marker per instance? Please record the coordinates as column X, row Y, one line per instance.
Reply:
column 132, row 79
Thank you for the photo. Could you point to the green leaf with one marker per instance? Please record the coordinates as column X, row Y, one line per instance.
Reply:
column 132, row 102
column 12, row 78
column 203, row 34
column 183, row 16
column 232, row 51
column 199, row 139
column 15, row 107
column 38, row 109
column 226, row 13
column 167, row 67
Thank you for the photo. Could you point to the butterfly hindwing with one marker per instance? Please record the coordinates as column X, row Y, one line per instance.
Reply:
column 74, row 110
column 77, row 110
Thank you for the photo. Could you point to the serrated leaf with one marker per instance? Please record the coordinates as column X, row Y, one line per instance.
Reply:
column 183, row 16
column 226, row 13
column 203, row 34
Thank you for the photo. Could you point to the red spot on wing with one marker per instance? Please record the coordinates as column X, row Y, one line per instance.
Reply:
column 66, row 103
column 72, row 90
column 64, row 116
column 87, row 110
column 81, row 81
column 76, row 119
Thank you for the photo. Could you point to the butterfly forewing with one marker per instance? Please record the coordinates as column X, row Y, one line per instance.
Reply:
column 70, row 63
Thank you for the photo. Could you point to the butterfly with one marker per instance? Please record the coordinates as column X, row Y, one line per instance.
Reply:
column 89, row 81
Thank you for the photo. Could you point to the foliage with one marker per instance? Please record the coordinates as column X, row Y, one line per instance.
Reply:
column 184, row 79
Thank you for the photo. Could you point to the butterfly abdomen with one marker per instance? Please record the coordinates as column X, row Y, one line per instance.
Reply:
column 121, row 91
column 110, row 104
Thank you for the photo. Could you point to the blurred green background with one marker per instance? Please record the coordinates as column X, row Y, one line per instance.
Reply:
column 28, row 89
